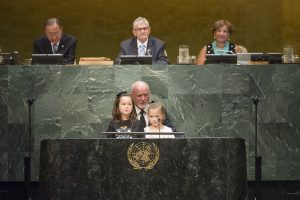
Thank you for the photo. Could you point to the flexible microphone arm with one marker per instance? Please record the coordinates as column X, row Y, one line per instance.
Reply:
column 158, row 120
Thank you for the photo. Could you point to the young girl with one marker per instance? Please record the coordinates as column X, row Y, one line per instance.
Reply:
column 156, row 115
column 124, row 116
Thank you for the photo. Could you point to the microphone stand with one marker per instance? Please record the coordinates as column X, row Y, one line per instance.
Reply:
column 258, row 159
column 158, row 120
column 27, row 159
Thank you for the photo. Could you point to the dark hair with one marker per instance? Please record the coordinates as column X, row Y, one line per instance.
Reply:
column 52, row 21
column 218, row 24
column 116, row 112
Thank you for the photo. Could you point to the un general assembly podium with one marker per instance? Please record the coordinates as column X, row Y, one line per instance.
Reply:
column 144, row 169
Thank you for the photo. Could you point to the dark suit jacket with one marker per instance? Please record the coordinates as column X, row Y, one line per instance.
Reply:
column 168, row 122
column 67, row 47
column 155, row 47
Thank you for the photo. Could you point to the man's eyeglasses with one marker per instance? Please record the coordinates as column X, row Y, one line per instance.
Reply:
column 54, row 34
column 141, row 29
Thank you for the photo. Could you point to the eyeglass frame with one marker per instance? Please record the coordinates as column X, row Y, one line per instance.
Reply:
column 56, row 34
column 142, row 28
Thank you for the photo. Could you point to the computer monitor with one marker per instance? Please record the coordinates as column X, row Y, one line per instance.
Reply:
column 47, row 59
column 7, row 58
column 260, row 57
column 246, row 58
column 275, row 58
column 217, row 59
column 10, row 58
column 136, row 60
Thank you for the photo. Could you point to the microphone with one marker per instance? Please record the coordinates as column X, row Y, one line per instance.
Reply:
column 158, row 120
column 30, row 100
column 149, row 52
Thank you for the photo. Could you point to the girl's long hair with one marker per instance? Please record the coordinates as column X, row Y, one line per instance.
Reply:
column 116, row 112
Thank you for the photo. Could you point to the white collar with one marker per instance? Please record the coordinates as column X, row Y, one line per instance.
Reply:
column 138, row 110
column 56, row 43
column 139, row 43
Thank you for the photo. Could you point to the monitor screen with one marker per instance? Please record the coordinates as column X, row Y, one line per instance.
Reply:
column 7, row 58
column 275, row 58
column 136, row 60
column 46, row 59
column 217, row 59
column 259, row 57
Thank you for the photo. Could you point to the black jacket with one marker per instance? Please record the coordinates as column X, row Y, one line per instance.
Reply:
column 67, row 47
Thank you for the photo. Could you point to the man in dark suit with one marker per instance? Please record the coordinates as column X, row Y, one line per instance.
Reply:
column 140, row 93
column 143, row 44
column 55, row 41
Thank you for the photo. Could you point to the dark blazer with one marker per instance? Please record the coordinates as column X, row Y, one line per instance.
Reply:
column 155, row 47
column 168, row 122
column 67, row 47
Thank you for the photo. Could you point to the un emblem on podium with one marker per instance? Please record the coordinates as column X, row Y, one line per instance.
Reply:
column 143, row 155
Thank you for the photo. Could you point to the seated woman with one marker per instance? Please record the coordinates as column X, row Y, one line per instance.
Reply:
column 222, row 30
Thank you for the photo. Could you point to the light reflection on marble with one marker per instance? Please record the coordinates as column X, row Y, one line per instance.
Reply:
column 212, row 83
column 203, row 101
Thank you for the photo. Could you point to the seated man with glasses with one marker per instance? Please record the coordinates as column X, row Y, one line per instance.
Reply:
column 143, row 44
column 55, row 41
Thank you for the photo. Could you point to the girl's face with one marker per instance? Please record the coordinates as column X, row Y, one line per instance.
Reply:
column 221, row 35
column 154, row 115
column 125, row 107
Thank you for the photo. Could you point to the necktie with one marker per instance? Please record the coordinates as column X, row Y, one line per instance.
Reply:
column 142, row 120
column 54, row 48
column 142, row 50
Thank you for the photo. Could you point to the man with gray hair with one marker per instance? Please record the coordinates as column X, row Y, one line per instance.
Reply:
column 143, row 44
column 55, row 41
column 140, row 93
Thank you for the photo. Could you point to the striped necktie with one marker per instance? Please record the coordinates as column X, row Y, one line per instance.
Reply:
column 142, row 50
column 54, row 48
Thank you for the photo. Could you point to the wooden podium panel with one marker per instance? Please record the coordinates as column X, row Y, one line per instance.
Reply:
column 144, row 169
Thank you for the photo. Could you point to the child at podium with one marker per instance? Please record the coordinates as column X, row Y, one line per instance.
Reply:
column 124, row 116
column 156, row 115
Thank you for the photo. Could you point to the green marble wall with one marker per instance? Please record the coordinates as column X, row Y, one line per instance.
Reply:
column 100, row 25
column 214, row 100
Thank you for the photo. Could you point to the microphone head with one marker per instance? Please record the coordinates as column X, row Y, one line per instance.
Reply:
column 158, row 120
